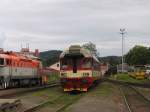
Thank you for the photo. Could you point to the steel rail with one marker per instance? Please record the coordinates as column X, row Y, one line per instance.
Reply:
column 147, row 85
column 34, row 108
column 10, row 94
column 125, row 100
column 137, row 94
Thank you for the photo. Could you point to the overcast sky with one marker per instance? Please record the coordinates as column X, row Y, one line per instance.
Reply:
column 56, row 24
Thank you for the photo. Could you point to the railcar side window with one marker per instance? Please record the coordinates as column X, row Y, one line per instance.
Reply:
column 86, row 63
column 1, row 61
column 96, row 66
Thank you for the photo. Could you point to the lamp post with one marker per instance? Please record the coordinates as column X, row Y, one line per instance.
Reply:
column 122, row 32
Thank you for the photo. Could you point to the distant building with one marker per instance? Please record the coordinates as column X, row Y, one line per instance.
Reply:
column 104, row 67
column 26, row 51
column 125, row 68
column 49, row 71
column 55, row 66
column 1, row 50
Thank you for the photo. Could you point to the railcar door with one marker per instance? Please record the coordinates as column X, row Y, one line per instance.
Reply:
column 1, row 70
column 10, row 71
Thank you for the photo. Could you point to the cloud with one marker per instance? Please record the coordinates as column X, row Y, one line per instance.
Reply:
column 55, row 24
column 2, row 39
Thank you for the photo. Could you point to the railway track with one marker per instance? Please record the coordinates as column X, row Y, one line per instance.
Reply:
column 17, row 91
column 34, row 108
column 7, row 101
column 59, row 109
column 147, row 85
column 134, row 100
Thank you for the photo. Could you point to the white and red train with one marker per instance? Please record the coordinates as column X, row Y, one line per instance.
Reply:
column 17, row 69
column 79, row 69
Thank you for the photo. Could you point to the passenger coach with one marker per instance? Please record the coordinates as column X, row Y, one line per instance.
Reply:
column 79, row 69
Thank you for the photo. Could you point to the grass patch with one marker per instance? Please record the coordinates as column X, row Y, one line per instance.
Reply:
column 127, row 78
column 48, row 93
column 103, row 89
column 67, row 98
column 53, row 77
column 62, row 102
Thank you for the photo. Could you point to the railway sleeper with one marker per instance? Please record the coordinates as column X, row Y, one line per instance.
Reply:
column 9, row 105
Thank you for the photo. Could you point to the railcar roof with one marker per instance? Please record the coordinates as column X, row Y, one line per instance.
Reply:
column 80, row 50
column 4, row 56
column 15, row 56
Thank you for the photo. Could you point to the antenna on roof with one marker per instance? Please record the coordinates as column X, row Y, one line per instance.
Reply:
column 21, row 46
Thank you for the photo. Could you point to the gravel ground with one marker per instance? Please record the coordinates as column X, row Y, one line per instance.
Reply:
column 144, row 91
column 105, row 98
column 41, row 96
column 137, row 102
column 8, row 91
column 31, row 99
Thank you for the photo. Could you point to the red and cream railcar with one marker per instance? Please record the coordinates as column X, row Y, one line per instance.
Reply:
column 17, row 69
column 79, row 69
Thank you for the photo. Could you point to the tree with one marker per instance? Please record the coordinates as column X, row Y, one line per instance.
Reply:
column 92, row 48
column 50, row 57
column 112, row 60
column 138, row 55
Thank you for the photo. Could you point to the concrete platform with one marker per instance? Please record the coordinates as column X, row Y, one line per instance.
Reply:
column 9, row 104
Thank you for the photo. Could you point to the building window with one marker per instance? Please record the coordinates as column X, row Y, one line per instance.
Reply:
column 1, row 61
column 57, row 65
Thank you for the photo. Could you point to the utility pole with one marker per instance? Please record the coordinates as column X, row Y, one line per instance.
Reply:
column 122, row 32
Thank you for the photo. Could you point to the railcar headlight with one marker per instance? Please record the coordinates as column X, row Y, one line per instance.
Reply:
column 86, row 74
column 63, row 74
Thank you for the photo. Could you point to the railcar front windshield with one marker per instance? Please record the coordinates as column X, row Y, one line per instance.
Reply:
column 1, row 61
column 66, row 63
column 74, row 63
column 69, row 63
